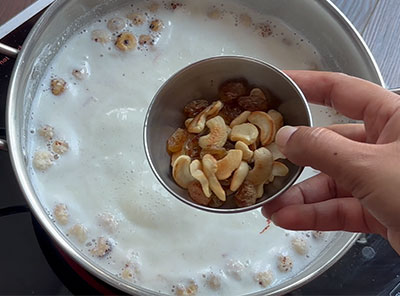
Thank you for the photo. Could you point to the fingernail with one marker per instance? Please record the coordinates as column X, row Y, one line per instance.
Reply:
column 283, row 135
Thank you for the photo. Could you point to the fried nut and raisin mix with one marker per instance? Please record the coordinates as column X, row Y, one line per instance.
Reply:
column 225, row 149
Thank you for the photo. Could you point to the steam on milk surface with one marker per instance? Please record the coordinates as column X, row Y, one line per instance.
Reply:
column 105, row 170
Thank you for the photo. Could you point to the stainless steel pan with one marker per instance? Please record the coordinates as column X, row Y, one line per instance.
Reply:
column 339, row 44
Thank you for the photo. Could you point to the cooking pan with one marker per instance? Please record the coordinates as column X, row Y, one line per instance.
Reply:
column 339, row 44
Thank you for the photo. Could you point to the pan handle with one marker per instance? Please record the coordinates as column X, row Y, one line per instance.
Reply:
column 8, row 50
column 3, row 145
column 12, row 53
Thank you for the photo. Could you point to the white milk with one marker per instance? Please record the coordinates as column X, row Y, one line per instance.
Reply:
column 105, row 171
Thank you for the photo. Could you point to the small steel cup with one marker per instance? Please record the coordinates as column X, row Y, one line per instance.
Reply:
column 201, row 81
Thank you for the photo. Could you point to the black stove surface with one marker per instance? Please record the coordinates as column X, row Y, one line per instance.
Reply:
column 30, row 263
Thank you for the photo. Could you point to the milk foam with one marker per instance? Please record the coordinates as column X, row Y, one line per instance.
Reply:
column 105, row 170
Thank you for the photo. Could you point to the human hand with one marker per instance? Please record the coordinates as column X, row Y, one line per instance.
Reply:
column 359, row 187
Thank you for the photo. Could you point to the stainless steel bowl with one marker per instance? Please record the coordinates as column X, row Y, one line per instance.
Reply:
column 201, row 80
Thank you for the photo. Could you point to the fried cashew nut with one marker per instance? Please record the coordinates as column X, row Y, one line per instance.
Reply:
column 210, row 168
column 279, row 169
column 278, row 120
column 260, row 190
column 239, row 176
column 228, row 164
column 181, row 171
column 266, row 125
column 245, row 132
column 198, row 123
column 242, row 118
column 218, row 133
column 263, row 163
column 276, row 153
column 247, row 153
column 198, row 174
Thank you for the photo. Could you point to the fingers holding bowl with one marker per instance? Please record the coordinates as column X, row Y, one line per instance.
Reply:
column 316, row 189
column 343, row 159
column 353, row 97
column 352, row 131
column 346, row 214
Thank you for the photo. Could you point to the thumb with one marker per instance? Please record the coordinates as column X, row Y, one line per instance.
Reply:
column 323, row 149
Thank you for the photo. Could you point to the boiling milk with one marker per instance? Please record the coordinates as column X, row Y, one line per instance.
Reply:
column 104, row 178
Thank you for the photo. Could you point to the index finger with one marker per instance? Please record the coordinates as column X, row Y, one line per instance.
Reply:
column 353, row 97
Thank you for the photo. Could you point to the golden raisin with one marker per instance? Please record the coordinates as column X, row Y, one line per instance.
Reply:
column 231, row 90
column 196, row 193
column 177, row 140
column 217, row 152
column 58, row 86
column 195, row 107
column 192, row 147
column 246, row 195
column 156, row 25
column 126, row 41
